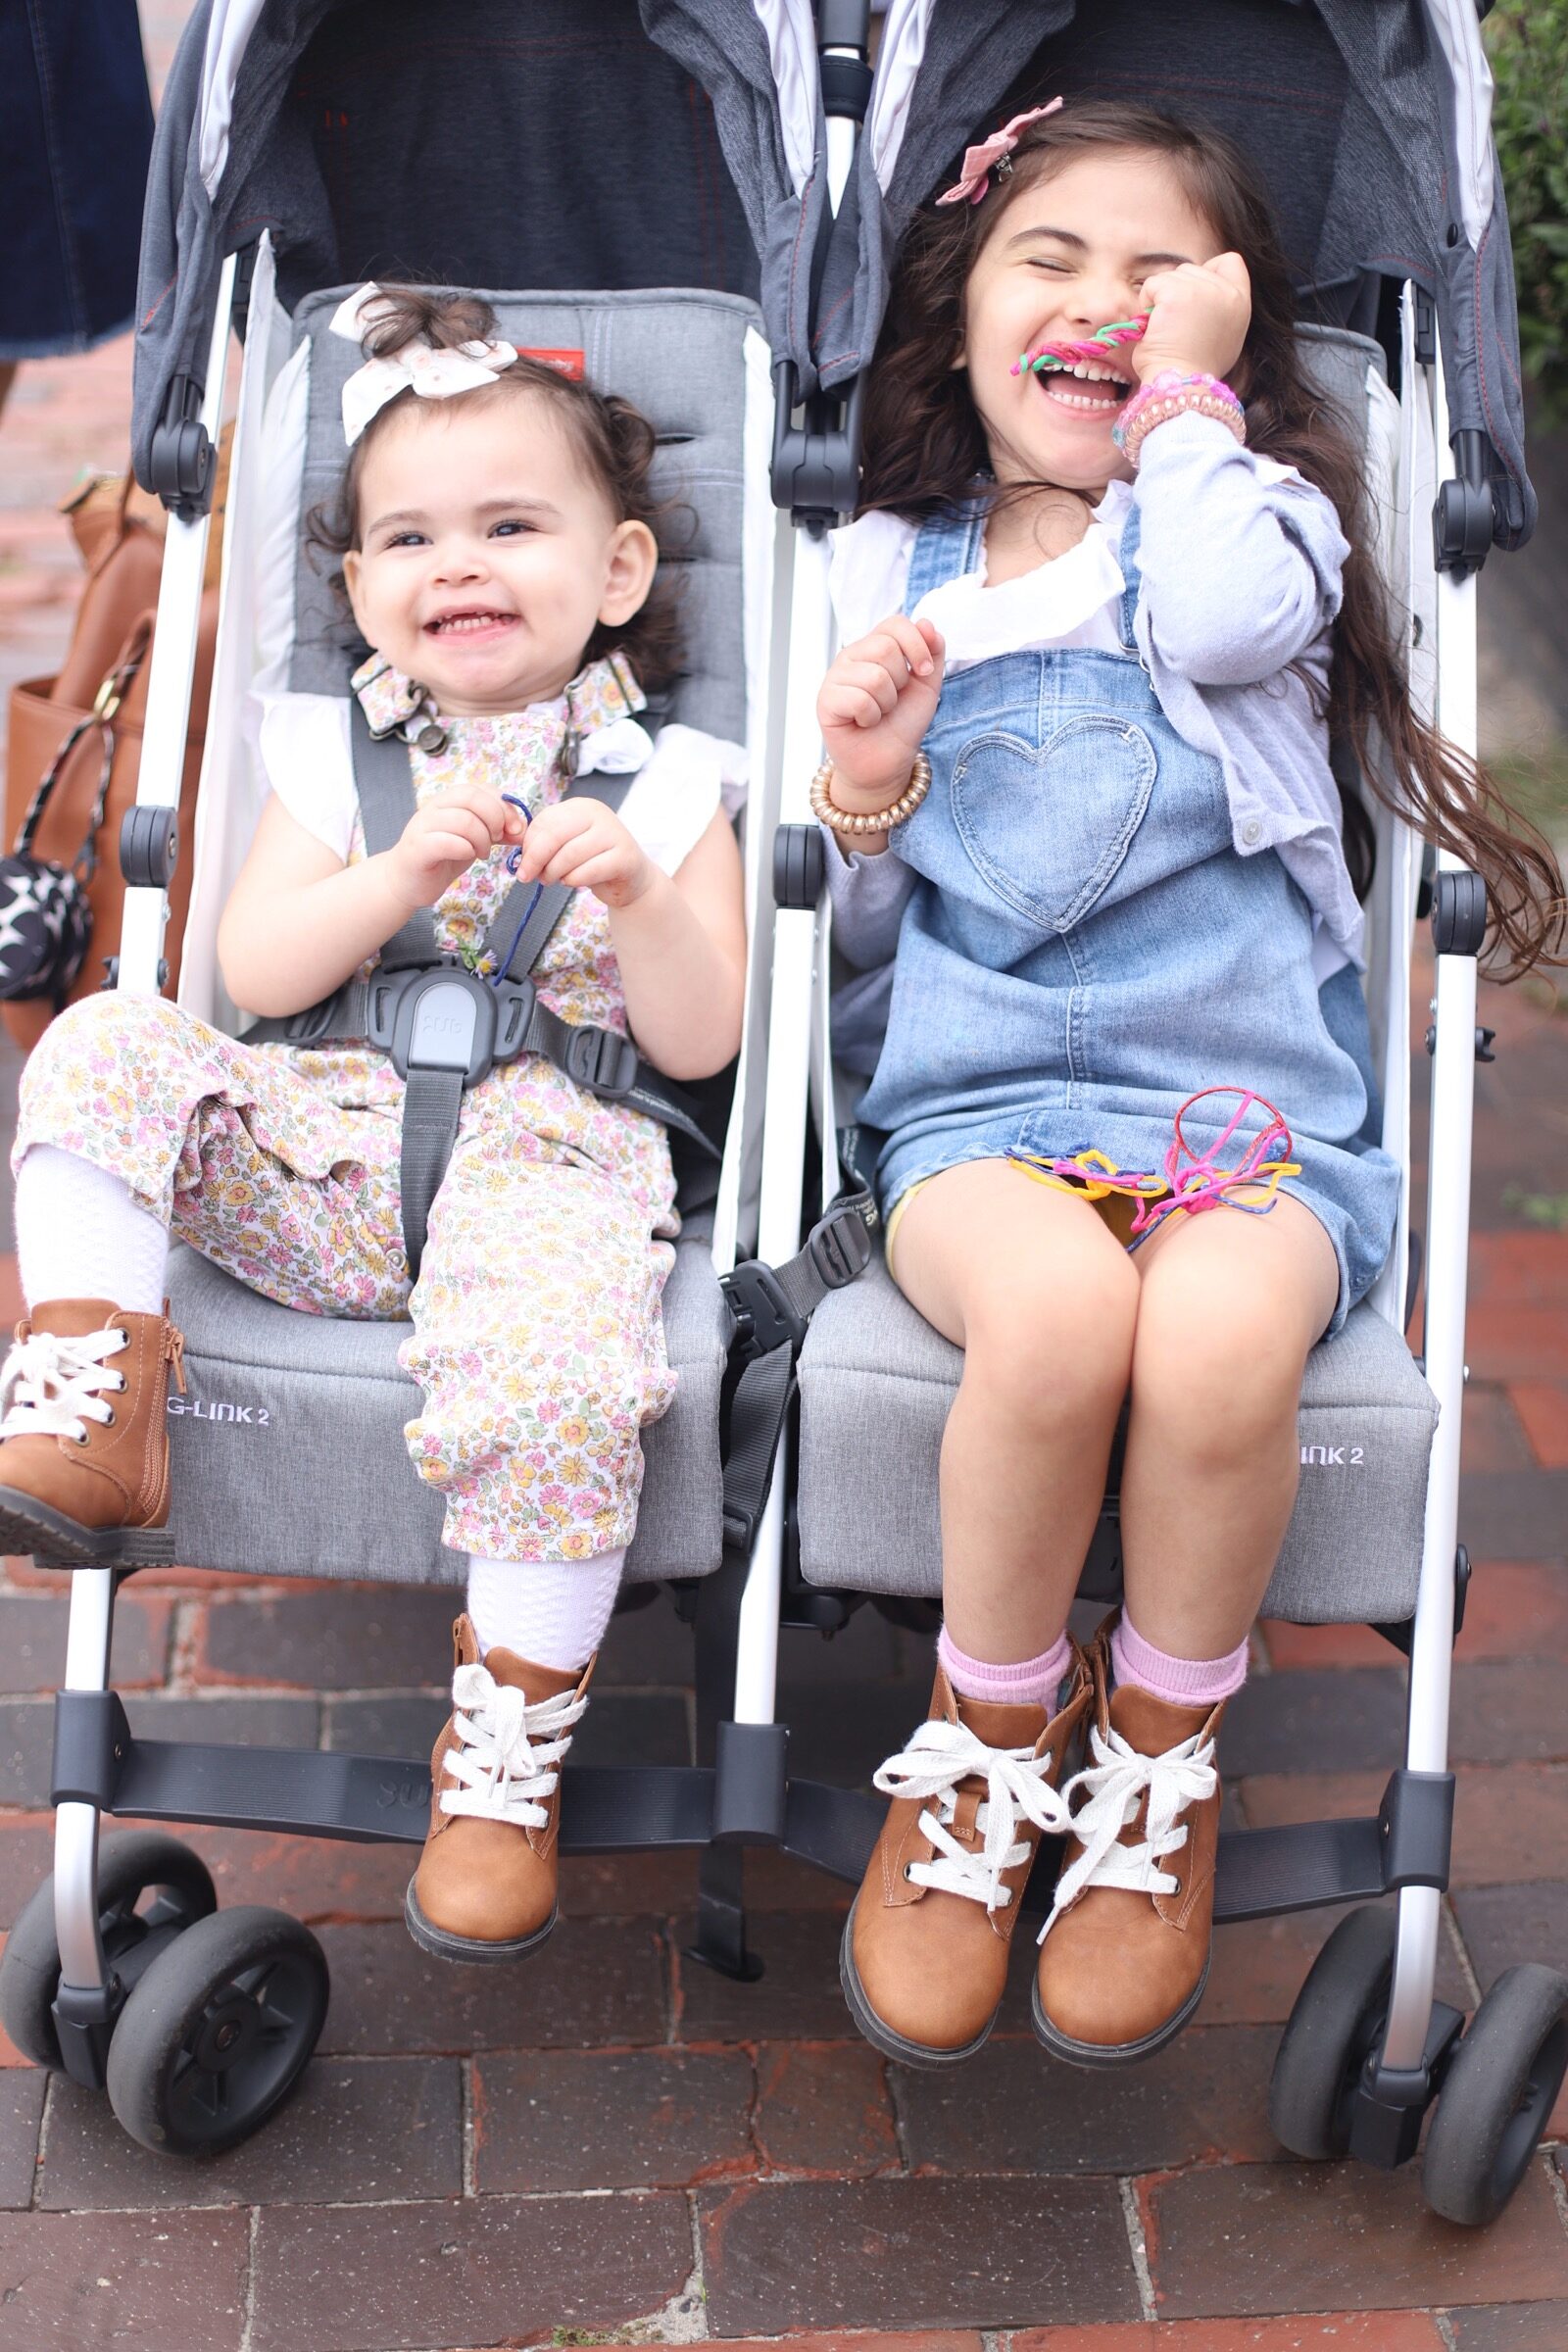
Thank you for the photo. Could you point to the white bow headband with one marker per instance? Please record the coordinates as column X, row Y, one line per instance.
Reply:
column 433, row 374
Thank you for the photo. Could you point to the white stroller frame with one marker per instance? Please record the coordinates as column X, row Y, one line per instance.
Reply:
column 1409, row 2042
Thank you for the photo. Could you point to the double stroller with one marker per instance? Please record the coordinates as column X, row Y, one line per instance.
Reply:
column 729, row 181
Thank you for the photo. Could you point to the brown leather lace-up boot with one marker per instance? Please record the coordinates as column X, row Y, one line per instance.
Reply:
column 85, row 1436
column 924, row 1956
column 485, row 1888
column 1124, row 1955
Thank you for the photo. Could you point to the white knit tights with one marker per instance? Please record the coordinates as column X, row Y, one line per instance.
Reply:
column 552, row 1612
column 79, row 1235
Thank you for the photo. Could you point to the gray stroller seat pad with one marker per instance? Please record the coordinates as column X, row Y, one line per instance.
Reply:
column 876, row 1385
column 287, row 1454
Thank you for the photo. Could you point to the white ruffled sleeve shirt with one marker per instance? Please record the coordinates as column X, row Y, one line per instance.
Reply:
column 304, row 751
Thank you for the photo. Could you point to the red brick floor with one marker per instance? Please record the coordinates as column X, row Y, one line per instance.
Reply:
column 615, row 2144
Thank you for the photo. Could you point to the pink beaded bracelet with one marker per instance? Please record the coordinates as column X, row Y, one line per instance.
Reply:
column 1172, row 394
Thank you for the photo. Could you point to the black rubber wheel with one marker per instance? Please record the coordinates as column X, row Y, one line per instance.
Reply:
column 132, row 1865
column 1339, row 2015
column 1496, row 2096
column 218, row 2030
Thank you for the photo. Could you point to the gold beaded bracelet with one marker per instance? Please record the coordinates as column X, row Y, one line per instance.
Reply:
column 877, row 820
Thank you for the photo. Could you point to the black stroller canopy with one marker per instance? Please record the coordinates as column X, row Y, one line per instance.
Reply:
column 1368, row 119
column 546, row 144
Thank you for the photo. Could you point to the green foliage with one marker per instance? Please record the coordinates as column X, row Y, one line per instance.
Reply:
column 1527, row 41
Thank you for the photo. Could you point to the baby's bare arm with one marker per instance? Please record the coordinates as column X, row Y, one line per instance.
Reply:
column 299, row 921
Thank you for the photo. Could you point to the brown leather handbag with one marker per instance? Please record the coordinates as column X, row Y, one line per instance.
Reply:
column 119, row 533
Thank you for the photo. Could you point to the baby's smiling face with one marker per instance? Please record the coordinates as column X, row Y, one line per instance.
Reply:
column 1068, row 256
column 488, row 553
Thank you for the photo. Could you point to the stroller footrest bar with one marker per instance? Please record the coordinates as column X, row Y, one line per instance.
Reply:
column 386, row 1799
column 1264, row 1873
column 835, row 1829
column 370, row 1800
column 749, row 1803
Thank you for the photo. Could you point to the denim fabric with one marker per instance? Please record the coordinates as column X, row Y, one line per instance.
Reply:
column 79, row 133
column 1084, row 949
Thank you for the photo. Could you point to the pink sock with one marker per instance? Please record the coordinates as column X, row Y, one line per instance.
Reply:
column 1184, row 1681
column 1032, row 1682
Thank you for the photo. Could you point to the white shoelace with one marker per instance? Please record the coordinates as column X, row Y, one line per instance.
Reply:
column 508, row 1756
column 50, row 1383
column 941, row 1756
column 1112, row 1785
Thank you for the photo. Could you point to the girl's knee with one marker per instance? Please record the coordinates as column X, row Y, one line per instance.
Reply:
column 1223, row 1373
column 98, row 1033
column 1063, row 1333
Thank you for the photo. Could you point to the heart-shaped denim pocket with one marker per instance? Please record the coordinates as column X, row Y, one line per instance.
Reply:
column 1046, row 829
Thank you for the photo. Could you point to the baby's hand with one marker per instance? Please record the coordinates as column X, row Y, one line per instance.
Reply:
column 877, row 703
column 445, row 835
column 1198, row 314
column 580, row 842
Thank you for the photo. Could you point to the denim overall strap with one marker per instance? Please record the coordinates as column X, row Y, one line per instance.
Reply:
column 944, row 549
column 1127, row 556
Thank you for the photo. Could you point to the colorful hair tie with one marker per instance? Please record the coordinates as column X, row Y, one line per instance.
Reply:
column 1095, row 347
column 1198, row 1185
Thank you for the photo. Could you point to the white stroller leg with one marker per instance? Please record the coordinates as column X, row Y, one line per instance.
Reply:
column 1447, row 1248
column 169, row 686
column 81, row 1951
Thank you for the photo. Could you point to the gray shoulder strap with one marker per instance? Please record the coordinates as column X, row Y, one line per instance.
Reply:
column 383, row 778
column 554, row 899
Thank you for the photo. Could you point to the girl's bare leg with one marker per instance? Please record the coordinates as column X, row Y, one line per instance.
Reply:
column 1043, row 1300
column 1232, row 1307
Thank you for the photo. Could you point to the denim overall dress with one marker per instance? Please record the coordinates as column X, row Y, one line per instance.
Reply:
column 1084, row 949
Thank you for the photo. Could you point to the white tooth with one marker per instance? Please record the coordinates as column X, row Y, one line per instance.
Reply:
column 1081, row 367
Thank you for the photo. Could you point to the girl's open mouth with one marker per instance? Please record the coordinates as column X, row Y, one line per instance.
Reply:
column 1090, row 390
column 476, row 621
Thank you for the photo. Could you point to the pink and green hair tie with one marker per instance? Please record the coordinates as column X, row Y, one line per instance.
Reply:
column 1104, row 339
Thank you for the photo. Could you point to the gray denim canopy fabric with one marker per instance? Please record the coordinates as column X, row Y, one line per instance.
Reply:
column 536, row 143
column 1348, row 107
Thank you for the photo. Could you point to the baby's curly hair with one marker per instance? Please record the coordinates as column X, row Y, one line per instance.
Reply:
column 615, row 440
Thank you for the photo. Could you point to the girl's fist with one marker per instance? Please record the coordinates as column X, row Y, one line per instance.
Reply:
column 1198, row 314
column 877, row 703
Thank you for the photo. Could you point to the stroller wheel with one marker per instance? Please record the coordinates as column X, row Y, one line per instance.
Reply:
column 1497, row 2096
column 1339, row 2015
column 218, row 2030
column 131, row 1866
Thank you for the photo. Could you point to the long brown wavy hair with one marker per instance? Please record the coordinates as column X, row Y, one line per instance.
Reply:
column 924, row 448
column 616, row 443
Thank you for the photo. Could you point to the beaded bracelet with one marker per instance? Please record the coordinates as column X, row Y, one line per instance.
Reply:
column 877, row 820
column 1172, row 394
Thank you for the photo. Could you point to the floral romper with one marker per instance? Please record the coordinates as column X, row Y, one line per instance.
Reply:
column 537, row 1332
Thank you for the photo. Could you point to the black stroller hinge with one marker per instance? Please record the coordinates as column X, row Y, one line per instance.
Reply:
column 1462, row 516
column 181, row 463
column 1458, row 912
column 1415, row 1821
column 1391, row 2102
column 816, row 463
column 84, row 2020
column 92, row 1740
column 844, row 41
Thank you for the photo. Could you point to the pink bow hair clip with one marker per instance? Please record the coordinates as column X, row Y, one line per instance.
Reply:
column 974, row 180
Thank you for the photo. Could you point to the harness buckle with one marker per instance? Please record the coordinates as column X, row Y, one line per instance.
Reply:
column 840, row 1246
column 443, row 1017
column 764, row 1317
column 602, row 1060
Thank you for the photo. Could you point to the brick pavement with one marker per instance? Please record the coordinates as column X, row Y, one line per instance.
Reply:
column 615, row 2143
